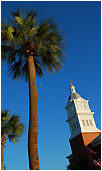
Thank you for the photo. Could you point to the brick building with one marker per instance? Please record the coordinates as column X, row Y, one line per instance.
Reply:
column 85, row 140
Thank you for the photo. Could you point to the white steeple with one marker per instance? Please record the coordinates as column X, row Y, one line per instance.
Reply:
column 72, row 88
column 80, row 117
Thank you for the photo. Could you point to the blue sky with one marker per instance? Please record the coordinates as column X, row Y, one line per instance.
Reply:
column 81, row 21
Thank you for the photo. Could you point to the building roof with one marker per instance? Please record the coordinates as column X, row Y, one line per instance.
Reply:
column 73, row 96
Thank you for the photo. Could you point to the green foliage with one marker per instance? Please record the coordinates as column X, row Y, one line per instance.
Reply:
column 19, row 20
column 11, row 126
column 5, row 168
column 9, row 32
column 24, row 35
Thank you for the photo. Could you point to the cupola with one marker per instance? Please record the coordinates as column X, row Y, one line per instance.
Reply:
column 80, row 117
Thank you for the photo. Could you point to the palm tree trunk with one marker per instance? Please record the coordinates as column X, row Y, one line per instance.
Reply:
column 33, row 117
column 2, row 157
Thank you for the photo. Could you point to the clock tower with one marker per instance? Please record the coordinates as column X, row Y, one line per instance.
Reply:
column 80, row 117
column 82, row 125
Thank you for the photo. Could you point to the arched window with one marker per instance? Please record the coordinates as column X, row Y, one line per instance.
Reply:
column 91, row 122
column 72, row 128
column 83, row 122
column 87, row 123
column 77, row 125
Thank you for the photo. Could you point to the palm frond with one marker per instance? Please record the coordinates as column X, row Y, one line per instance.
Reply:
column 11, row 126
column 14, row 69
column 24, row 35
column 17, row 13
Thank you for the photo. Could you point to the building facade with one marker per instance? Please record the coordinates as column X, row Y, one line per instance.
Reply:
column 85, row 136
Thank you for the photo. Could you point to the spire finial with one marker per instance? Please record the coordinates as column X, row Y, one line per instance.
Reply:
column 70, row 83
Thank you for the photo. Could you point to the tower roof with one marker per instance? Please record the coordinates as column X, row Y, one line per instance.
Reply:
column 73, row 95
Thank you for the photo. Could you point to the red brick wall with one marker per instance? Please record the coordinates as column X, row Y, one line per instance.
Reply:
column 97, row 148
column 82, row 140
column 78, row 145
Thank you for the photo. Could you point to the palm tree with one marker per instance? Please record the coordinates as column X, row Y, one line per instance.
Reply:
column 12, row 128
column 29, row 46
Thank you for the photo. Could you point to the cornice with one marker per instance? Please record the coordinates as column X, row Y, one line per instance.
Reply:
column 84, row 113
